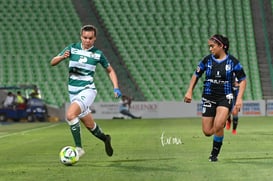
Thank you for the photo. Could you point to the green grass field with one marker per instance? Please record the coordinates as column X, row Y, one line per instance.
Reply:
column 29, row 151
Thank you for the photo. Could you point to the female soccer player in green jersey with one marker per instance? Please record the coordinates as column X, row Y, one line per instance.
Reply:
column 83, row 58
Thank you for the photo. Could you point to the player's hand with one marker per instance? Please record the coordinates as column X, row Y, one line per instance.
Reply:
column 237, row 106
column 188, row 98
column 235, row 110
column 117, row 92
column 66, row 54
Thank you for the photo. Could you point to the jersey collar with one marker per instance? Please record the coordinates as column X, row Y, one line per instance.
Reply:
column 87, row 49
column 217, row 60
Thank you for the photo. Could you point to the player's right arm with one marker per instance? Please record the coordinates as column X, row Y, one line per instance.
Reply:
column 188, row 95
column 56, row 60
column 194, row 79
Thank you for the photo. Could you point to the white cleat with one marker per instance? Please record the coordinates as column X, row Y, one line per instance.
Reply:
column 81, row 151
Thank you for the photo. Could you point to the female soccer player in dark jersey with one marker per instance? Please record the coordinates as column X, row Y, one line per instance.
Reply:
column 217, row 99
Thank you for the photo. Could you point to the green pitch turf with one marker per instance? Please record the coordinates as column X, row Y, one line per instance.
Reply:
column 152, row 150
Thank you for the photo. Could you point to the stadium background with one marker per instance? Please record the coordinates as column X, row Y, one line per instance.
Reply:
column 154, row 45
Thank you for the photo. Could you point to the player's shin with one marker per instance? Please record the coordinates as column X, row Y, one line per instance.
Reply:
column 96, row 131
column 235, row 122
column 76, row 131
column 216, row 147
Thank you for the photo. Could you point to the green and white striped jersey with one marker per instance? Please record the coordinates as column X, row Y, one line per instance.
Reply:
column 82, row 66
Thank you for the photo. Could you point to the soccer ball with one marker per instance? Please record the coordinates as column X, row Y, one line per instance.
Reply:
column 69, row 155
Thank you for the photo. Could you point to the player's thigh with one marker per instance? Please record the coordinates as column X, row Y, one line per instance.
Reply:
column 221, row 116
column 84, row 99
column 73, row 111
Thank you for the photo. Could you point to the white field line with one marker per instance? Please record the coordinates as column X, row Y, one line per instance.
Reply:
column 27, row 131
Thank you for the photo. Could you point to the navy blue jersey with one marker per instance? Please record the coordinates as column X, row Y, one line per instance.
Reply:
column 219, row 74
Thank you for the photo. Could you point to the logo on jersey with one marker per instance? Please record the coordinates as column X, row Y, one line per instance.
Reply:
column 74, row 51
column 95, row 55
column 82, row 59
column 228, row 67
column 198, row 69
column 218, row 74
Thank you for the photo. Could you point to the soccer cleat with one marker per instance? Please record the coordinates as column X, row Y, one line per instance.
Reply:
column 227, row 125
column 108, row 148
column 234, row 132
column 81, row 151
column 213, row 158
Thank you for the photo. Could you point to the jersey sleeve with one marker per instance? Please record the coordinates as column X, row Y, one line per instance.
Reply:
column 64, row 50
column 239, row 72
column 201, row 67
column 103, row 61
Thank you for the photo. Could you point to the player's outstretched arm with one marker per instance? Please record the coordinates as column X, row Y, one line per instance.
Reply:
column 56, row 60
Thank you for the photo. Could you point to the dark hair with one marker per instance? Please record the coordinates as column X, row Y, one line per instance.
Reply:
column 221, row 40
column 89, row 28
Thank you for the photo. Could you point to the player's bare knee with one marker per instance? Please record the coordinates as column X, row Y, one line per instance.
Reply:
column 70, row 116
column 219, row 127
column 207, row 133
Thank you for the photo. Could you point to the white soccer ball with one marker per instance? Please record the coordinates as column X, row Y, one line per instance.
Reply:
column 69, row 155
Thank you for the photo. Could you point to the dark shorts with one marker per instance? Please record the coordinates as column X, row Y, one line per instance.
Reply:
column 210, row 103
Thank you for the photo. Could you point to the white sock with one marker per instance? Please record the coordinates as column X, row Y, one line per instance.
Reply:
column 73, row 121
column 94, row 127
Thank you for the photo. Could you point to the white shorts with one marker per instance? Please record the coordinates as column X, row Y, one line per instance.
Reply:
column 84, row 99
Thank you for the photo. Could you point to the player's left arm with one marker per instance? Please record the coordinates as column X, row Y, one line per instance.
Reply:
column 113, row 76
column 241, row 76
column 239, row 100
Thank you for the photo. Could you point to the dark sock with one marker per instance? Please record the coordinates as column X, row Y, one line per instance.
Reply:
column 217, row 144
column 235, row 122
column 76, row 133
column 98, row 133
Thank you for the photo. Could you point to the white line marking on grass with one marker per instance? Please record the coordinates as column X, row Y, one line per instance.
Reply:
column 27, row 131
